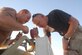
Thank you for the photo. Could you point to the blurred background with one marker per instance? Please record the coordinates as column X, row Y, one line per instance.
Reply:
column 72, row 7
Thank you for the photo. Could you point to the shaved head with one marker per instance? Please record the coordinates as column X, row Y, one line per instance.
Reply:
column 23, row 16
column 39, row 20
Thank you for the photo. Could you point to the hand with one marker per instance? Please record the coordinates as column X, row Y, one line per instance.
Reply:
column 32, row 47
column 25, row 29
column 34, row 32
column 19, row 35
column 65, row 52
column 65, row 43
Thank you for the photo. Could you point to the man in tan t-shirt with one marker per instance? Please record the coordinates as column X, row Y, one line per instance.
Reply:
column 10, row 21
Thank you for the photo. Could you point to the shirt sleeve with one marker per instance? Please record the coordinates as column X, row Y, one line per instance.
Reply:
column 62, row 15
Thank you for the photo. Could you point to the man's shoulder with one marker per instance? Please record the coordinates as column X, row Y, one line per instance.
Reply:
column 56, row 11
column 7, row 9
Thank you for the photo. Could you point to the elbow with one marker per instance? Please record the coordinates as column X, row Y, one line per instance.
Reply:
column 73, row 21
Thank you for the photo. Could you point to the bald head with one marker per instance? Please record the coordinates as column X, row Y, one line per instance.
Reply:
column 23, row 16
column 39, row 19
column 25, row 11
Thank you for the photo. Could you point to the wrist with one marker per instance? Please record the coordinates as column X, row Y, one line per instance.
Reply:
column 66, row 37
column 65, row 50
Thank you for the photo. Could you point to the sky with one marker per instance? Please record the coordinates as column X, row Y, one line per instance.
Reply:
column 73, row 7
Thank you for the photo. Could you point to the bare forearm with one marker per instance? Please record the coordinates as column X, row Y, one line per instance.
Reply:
column 73, row 24
column 65, row 46
column 10, row 23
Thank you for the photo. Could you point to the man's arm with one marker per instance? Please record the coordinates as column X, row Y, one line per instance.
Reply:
column 8, row 24
column 65, row 45
column 73, row 24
